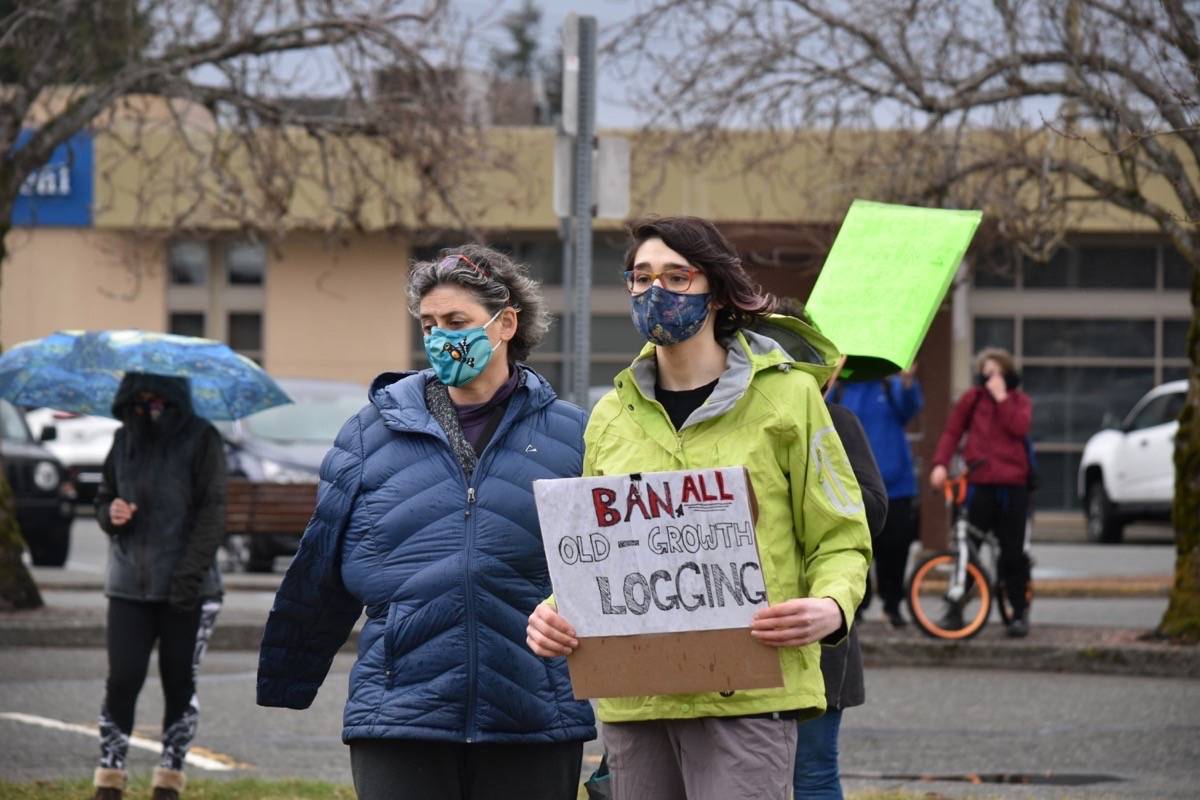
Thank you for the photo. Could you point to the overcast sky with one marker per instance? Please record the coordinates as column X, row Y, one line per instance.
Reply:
column 613, row 111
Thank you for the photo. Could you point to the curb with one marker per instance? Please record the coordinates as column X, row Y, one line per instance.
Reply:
column 1095, row 652
column 1078, row 588
column 87, row 634
column 1142, row 660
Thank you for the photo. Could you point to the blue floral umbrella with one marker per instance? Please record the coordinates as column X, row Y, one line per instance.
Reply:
column 79, row 371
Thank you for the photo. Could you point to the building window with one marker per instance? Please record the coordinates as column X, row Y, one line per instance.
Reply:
column 994, row 332
column 1096, row 267
column 1175, row 332
column 215, row 290
column 1070, row 402
column 186, row 324
column 1089, row 338
column 187, row 263
column 996, row 270
column 245, row 334
column 246, row 263
column 1177, row 273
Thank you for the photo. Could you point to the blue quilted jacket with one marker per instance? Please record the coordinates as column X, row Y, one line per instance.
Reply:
column 448, row 567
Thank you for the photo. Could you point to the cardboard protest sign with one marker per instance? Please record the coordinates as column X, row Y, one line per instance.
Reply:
column 660, row 575
column 884, row 279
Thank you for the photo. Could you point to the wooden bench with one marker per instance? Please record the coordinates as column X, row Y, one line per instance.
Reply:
column 268, row 508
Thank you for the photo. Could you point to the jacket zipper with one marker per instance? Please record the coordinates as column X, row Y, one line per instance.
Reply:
column 469, row 597
column 389, row 673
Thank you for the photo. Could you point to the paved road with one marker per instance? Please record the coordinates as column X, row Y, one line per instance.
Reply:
column 1141, row 732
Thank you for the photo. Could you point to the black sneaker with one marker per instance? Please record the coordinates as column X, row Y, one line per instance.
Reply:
column 1018, row 628
column 952, row 620
column 894, row 617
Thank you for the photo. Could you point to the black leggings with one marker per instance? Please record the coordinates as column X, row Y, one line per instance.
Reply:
column 390, row 769
column 133, row 628
column 1003, row 510
column 891, row 551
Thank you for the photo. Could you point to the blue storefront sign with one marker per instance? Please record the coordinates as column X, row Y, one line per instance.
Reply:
column 59, row 193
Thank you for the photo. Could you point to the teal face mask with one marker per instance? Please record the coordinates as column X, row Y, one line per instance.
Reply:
column 458, row 357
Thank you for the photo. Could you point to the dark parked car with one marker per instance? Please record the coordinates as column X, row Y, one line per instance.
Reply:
column 286, row 445
column 44, row 499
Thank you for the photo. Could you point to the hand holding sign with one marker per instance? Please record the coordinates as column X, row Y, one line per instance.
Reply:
column 797, row 622
column 548, row 634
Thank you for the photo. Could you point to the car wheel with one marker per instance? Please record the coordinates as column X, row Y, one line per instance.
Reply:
column 50, row 548
column 1103, row 523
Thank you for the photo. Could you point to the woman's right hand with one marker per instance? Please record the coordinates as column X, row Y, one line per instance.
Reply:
column 121, row 512
column 937, row 478
column 548, row 634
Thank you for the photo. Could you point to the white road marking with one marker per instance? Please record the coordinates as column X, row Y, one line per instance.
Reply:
column 203, row 762
column 84, row 566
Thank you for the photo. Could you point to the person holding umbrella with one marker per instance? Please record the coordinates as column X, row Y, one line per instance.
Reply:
column 162, row 503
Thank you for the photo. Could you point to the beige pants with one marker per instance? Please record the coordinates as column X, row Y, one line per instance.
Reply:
column 711, row 758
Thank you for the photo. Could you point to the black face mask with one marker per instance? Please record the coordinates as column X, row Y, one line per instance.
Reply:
column 1011, row 381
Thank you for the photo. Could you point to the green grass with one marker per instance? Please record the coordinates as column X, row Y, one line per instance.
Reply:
column 202, row 789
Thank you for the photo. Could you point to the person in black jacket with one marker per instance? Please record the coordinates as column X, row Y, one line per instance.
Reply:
column 162, row 503
column 816, row 773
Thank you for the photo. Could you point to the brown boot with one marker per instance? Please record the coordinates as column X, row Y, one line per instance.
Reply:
column 167, row 783
column 109, row 783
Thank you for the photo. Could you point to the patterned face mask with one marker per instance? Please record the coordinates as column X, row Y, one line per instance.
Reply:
column 667, row 318
column 458, row 357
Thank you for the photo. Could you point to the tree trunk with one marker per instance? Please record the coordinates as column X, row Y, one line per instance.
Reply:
column 17, row 589
column 1182, row 620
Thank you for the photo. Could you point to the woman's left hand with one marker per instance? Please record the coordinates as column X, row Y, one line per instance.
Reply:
column 796, row 622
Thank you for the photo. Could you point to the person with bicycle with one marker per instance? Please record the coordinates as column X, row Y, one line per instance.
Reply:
column 994, row 416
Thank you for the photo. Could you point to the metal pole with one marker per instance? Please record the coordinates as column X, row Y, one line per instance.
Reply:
column 581, row 211
column 566, row 336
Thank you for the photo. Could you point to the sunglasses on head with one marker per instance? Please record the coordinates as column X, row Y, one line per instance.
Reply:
column 451, row 261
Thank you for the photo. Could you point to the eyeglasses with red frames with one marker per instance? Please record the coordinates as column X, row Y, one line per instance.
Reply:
column 673, row 279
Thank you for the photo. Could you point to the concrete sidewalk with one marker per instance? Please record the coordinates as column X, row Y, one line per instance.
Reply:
column 1055, row 648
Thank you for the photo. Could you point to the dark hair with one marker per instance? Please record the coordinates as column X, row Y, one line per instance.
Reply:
column 740, row 299
column 496, row 282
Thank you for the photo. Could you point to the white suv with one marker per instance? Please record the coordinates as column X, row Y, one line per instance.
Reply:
column 80, row 442
column 1128, row 472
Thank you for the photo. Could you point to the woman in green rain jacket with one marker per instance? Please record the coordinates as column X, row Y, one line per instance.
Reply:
column 725, row 383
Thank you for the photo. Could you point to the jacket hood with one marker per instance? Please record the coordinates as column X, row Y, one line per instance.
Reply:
column 174, row 389
column 774, row 342
column 400, row 397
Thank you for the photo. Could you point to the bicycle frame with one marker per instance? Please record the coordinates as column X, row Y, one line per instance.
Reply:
column 969, row 541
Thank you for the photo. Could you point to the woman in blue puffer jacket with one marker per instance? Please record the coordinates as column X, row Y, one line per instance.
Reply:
column 425, row 517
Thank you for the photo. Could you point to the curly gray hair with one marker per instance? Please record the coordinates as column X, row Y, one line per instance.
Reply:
column 495, row 280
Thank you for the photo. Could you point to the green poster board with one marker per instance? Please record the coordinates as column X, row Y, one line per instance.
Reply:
column 884, row 279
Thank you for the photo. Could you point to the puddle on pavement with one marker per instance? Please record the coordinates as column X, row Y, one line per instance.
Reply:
column 1019, row 778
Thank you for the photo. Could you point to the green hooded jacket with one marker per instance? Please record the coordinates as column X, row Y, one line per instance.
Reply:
column 765, row 413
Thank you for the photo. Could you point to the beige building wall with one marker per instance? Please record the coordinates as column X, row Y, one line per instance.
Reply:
column 64, row 278
column 337, row 311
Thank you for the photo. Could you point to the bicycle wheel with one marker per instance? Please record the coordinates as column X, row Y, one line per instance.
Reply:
column 935, row 613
